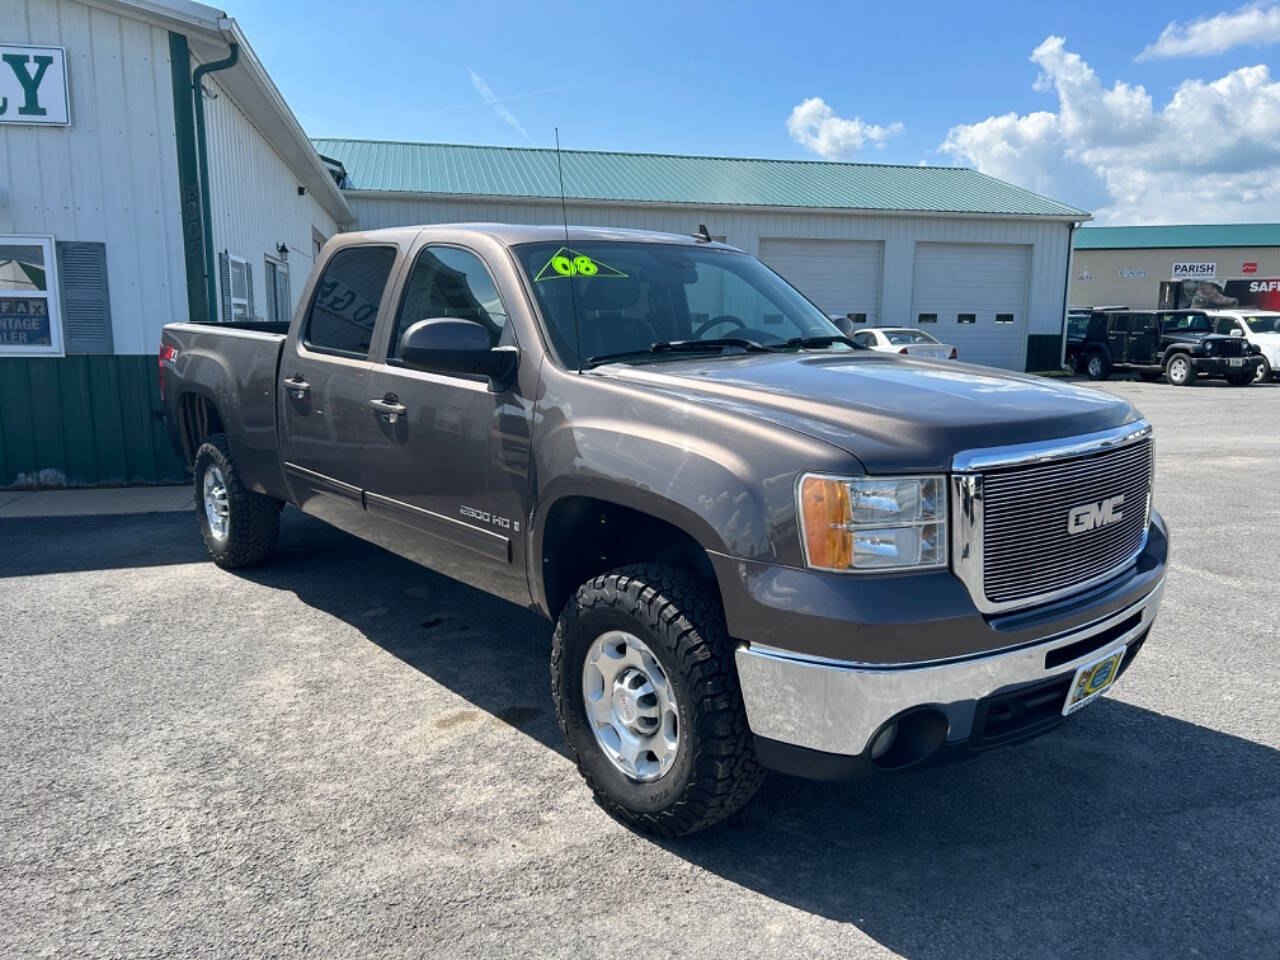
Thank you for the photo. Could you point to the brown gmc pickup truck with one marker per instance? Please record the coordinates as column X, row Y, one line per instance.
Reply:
column 763, row 547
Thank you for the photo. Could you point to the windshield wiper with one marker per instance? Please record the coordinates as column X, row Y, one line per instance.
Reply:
column 818, row 343
column 716, row 344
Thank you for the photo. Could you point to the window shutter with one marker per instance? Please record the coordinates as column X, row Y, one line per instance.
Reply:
column 224, row 279
column 248, row 285
column 86, row 304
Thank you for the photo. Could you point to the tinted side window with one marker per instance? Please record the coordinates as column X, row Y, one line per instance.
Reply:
column 1143, row 322
column 448, row 282
column 345, row 307
column 1120, row 324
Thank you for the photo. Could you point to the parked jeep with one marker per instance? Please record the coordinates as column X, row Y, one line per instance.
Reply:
column 1179, row 345
column 762, row 546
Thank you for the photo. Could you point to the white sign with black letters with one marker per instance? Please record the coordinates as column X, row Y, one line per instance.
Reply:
column 1195, row 271
column 33, row 85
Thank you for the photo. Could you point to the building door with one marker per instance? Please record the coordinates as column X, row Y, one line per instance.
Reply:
column 978, row 294
column 324, row 388
column 448, row 469
column 841, row 276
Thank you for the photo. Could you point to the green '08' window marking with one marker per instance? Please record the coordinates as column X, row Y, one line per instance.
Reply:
column 569, row 263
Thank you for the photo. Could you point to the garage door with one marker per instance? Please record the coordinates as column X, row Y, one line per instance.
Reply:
column 973, row 296
column 840, row 276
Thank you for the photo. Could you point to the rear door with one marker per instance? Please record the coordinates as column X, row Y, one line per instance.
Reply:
column 448, row 476
column 1118, row 338
column 324, row 388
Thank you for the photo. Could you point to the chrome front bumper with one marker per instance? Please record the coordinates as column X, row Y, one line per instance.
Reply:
column 836, row 706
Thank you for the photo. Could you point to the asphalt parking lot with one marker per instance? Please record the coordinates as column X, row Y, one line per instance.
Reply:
column 344, row 755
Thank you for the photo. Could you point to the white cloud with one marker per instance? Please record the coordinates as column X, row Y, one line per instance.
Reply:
column 1253, row 25
column 1211, row 153
column 493, row 100
column 815, row 126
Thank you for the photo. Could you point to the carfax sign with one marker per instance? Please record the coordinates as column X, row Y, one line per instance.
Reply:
column 33, row 85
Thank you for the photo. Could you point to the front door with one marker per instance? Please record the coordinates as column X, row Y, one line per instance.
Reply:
column 1142, row 339
column 447, row 456
column 324, row 388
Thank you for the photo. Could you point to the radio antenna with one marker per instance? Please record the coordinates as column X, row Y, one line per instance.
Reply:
column 564, row 216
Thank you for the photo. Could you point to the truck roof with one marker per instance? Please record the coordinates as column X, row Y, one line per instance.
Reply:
column 513, row 233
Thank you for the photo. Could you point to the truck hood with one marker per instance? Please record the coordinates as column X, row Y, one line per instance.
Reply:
column 894, row 413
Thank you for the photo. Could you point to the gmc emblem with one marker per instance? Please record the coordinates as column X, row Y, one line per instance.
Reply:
column 1090, row 516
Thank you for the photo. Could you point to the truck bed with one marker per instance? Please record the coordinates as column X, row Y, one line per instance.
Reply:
column 235, row 366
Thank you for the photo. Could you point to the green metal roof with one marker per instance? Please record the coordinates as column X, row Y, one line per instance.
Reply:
column 458, row 169
column 1181, row 235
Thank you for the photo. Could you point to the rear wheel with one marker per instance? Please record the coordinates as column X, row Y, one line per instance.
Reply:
column 239, row 527
column 646, row 692
column 1097, row 366
column 1179, row 370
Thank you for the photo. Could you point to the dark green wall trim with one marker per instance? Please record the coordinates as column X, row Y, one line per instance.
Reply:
column 83, row 420
column 188, row 178
column 1044, row 352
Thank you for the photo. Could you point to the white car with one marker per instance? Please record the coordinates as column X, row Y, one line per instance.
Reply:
column 1260, row 327
column 908, row 340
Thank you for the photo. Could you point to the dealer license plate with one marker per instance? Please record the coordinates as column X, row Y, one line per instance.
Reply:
column 1092, row 681
column 1235, row 361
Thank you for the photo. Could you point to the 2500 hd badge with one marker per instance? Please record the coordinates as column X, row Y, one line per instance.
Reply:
column 762, row 546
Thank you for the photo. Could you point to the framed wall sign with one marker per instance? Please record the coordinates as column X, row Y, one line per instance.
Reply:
column 30, row 312
column 33, row 85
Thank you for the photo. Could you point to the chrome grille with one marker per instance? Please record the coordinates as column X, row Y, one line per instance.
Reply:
column 1028, row 550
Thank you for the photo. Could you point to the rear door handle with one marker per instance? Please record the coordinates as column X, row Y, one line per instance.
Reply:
column 296, row 385
column 389, row 406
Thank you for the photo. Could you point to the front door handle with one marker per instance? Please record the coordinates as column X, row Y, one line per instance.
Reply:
column 389, row 406
column 296, row 385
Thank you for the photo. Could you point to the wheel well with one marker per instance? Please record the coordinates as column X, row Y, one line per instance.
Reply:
column 198, row 420
column 584, row 537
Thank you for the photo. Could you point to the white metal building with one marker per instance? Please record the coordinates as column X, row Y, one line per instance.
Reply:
column 976, row 261
column 118, row 214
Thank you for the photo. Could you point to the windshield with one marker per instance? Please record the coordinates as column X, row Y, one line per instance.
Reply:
column 900, row 337
column 630, row 296
column 1187, row 323
column 1263, row 324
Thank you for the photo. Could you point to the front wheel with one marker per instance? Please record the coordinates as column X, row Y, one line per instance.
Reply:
column 1179, row 371
column 1263, row 373
column 239, row 527
column 646, row 692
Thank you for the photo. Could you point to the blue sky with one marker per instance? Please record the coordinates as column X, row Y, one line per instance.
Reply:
column 725, row 78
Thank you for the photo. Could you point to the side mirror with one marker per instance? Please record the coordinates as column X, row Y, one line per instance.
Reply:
column 1237, row 332
column 450, row 345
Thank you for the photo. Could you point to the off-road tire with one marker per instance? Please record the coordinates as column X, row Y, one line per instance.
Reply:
column 1096, row 366
column 254, row 526
column 680, row 620
column 1264, row 372
column 1172, row 364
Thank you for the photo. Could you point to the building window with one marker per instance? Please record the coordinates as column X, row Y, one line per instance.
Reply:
column 966, row 318
column 279, row 300
column 29, row 315
column 1004, row 318
column 856, row 317
column 927, row 318
column 239, row 296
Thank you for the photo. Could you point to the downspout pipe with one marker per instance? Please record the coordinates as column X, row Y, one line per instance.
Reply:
column 1066, row 293
column 202, row 157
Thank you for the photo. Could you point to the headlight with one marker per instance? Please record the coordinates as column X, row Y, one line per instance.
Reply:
column 873, row 523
